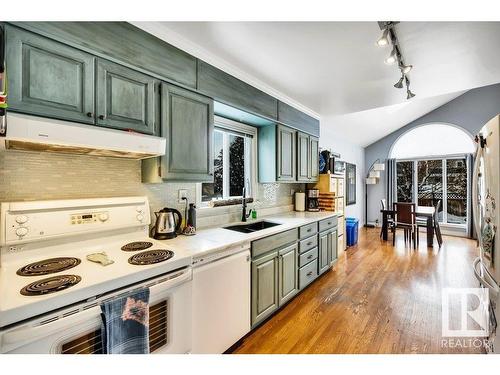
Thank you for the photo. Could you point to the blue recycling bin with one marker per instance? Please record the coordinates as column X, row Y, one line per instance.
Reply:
column 352, row 225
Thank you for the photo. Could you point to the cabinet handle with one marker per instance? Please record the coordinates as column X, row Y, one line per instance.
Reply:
column 102, row 117
column 310, row 256
column 310, row 229
column 90, row 114
column 309, row 243
column 309, row 273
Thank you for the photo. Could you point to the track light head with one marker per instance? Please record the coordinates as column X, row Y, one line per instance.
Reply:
column 406, row 68
column 409, row 94
column 392, row 58
column 399, row 84
column 383, row 40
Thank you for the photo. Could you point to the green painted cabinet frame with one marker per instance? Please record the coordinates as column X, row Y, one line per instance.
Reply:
column 48, row 78
column 327, row 255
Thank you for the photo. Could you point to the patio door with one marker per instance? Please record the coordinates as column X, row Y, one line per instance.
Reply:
column 426, row 181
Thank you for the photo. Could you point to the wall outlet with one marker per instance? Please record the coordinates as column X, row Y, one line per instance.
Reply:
column 182, row 194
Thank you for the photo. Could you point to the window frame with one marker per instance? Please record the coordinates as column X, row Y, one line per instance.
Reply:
column 249, row 132
column 444, row 202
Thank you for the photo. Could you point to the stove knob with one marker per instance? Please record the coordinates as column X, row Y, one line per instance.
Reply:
column 139, row 209
column 21, row 219
column 104, row 216
column 140, row 217
column 21, row 231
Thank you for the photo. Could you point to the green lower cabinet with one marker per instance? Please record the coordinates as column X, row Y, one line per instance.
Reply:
column 126, row 99
column 332, row 246
column 324, row 253
column 327, row 249
column 265, row 299
column 47, row 78
column 288, row 276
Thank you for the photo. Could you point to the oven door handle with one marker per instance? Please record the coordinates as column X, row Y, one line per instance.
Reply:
column 28, row 334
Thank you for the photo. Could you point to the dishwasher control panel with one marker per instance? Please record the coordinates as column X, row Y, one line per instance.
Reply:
column 209, row 258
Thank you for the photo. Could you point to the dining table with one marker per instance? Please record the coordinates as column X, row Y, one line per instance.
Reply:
column 420, row 211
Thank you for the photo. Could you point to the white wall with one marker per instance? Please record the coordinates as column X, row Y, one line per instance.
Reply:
column 351, row 153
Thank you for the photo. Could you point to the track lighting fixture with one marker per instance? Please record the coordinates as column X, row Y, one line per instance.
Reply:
column 405, row 68
column 399, row 84
column 409, row 94
column 392, row 58
column 383, row 40
column 389, row 37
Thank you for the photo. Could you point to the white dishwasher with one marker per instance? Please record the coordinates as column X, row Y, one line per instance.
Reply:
column 221, row 300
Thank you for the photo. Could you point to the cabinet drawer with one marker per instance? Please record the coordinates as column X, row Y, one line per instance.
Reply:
column 307, row 274
column 308, row 257
column 308, row 230
column 308, row 244
column 266, row 244
column 328, row 223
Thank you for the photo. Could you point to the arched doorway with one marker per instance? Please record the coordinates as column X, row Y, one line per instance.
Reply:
column 433, row 163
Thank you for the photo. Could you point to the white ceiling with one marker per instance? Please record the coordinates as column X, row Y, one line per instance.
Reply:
column 334, row 68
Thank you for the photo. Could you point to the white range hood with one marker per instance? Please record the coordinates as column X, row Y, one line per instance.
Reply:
column 31, row 133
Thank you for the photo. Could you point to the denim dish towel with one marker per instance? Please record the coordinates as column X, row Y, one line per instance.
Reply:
column 125, row 328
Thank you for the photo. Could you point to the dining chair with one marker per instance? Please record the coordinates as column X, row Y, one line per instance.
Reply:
column 390, row 220
column 422, row 222
column 404, row 218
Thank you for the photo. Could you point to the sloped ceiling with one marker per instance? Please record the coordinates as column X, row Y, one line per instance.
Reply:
column 335, row 70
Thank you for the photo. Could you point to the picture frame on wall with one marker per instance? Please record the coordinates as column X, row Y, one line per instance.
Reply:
column 350, row 179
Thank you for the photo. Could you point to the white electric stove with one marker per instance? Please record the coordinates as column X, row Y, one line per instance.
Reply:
column 47, row 282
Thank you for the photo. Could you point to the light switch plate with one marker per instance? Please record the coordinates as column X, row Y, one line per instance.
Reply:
column 182, row 194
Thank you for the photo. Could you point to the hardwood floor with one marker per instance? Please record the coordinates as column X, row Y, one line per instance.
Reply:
column 377, row 299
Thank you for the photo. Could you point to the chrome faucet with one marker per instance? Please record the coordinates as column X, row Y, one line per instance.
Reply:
column 244, row 214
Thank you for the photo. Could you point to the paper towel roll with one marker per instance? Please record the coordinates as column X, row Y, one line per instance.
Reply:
column 300, row 201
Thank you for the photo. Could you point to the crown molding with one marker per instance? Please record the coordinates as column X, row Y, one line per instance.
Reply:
column 163, row 32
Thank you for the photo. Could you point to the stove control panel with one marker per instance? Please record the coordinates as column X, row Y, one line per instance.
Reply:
column 89, row 218
column 22, row 222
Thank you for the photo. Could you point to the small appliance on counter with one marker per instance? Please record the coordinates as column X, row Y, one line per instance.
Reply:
column 190, row 229
column 300, row 201
column 166, row 227
column 313, row 200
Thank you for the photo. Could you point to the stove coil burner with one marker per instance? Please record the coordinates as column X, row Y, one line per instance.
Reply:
column 48, row 266
column 50, row 285
column 150, row 257
column 136, row 246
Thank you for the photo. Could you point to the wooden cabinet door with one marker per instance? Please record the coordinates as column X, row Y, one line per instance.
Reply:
column 288, row 276
column 265, row 298
column 126, row 99
column 323, row 259
column 332, row 246
column 47, row 78
column 286, row 154
column 188, row 124
column 303, row 157
column 313, row 159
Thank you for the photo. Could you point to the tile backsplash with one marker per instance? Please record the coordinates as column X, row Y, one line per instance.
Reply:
column 42, row 175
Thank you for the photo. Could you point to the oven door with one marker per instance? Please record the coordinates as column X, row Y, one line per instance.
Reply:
column 78, row 330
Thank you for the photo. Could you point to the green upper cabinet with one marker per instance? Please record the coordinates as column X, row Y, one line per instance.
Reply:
column 126, row 99
column 229, row 90
column 48, row 78
column 303, row 157
column 286, row 154
column 299, row 120
column 188, row 125
column 313, row 159
column 125, row 44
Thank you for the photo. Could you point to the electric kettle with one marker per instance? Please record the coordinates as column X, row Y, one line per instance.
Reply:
column 166, row 226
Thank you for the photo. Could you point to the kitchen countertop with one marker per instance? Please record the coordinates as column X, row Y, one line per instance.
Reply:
column 215, row 239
